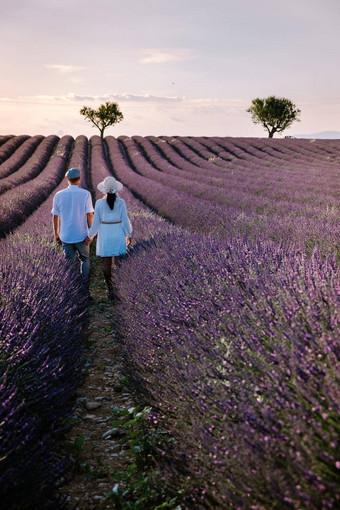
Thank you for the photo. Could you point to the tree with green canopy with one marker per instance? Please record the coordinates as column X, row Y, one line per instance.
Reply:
column 106, row 115
column 274, row 113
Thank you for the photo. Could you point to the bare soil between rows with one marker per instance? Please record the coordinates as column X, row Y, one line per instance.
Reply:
column 97, row 461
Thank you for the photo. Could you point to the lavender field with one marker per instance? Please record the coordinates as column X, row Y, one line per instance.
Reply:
column 228, row 316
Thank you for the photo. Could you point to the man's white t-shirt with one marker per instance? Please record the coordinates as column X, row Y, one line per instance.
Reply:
column 72, row 205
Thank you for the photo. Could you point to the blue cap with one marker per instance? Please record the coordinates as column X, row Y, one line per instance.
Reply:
column 73, row 173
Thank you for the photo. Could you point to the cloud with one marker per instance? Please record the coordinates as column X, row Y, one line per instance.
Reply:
column 72, row 98
column 125, row 96
column 199, row 106
column 64, row 69
column 159, row 56
column 147, row 97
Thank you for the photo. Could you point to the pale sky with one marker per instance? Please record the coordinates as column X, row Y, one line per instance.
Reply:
column 175, row 67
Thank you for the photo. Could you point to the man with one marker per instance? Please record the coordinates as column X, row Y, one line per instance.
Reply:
column 72, row 216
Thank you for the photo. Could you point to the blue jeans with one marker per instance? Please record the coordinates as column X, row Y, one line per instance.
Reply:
column 72, row 250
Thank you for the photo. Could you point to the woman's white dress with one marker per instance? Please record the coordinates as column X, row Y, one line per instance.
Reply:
column 112, row 236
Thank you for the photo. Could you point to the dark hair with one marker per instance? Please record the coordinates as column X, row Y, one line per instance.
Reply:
column 74, row 180
column 110, row 199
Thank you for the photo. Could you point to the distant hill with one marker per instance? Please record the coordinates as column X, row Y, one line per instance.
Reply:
column 322, row 134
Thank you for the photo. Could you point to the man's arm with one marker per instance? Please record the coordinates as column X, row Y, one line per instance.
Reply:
column 89, row 219
column 56, row 224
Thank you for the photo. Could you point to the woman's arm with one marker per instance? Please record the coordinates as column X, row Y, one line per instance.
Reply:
column 126, row 224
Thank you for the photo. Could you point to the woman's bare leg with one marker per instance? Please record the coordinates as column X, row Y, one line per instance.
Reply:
column 108, row 274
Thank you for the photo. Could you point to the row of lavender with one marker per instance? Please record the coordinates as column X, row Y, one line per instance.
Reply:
column 174, row 198
column 221, row 309
column 279, row 189
column 19, row 157
column 9, row 144
column 236, row 347
column 252, row 170
column 43, row 326
column 238, row 343
column 255, row 200
column 44, row 304
column 29, row 186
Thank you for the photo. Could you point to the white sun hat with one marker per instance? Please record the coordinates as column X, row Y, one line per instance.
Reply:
column 110, row 185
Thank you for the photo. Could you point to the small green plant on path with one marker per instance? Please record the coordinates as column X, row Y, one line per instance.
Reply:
column 140, row 486
column 77, row 447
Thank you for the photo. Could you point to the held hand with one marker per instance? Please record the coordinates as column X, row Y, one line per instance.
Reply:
column 128, row 241
column 88, row 240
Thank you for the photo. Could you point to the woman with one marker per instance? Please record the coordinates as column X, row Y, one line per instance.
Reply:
column 113, row 226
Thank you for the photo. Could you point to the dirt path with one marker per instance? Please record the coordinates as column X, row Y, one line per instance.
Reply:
column 98, row 458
